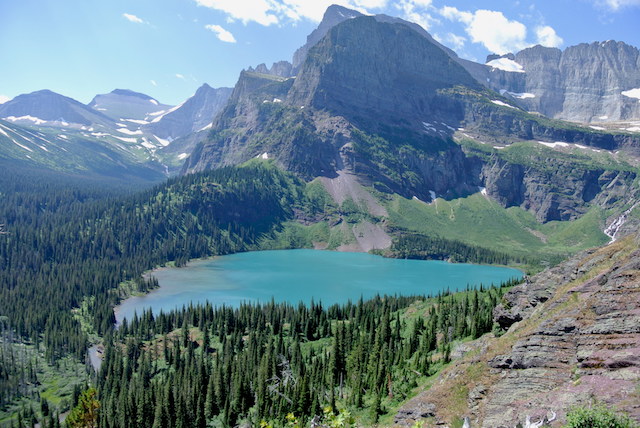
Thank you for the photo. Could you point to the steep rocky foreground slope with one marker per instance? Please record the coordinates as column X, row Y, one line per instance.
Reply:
column 573, row 339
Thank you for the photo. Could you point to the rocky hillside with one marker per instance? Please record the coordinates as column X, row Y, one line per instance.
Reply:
column 572, row 339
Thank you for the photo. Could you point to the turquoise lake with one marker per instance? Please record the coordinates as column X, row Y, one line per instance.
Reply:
column 301, row 275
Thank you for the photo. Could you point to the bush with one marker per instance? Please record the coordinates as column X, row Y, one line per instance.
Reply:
column 598, row 417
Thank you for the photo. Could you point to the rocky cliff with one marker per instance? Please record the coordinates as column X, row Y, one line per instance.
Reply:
column 572, row 339
column 583, row 83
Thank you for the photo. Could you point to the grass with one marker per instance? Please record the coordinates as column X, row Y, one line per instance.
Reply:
column 480, row 221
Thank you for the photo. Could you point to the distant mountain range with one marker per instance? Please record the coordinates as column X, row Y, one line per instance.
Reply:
column 134, row 125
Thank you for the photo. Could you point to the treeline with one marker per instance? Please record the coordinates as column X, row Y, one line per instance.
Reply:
column 67, row 240
column 208, row 365
column 423, row 247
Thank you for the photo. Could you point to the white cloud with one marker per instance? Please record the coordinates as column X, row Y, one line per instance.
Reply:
column 221, row 33
column 453, row 41
column 133, row 18
column 260, row 11
column 615, row 5
column 180, row 76
column 269, row 12
column 547, row 37
column 498, row 33
column 417, row 11
column 153, row 82
column 453, row 14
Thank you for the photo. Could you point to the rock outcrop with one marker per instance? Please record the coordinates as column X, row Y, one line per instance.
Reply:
column 573, row 339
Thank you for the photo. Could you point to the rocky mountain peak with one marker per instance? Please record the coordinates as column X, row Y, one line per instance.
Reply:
column 333, row 16
column 386, row 69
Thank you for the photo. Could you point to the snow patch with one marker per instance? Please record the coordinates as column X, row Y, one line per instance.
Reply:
column 125, row 139
column 518, row 95
column 154, row 102
column 18, row 144
column 277, row 100
column 433, row 195
column 265, row 155
column 163, row 113
column 632, row 93
column 554, row 145
column 209, row 126
column 603, row 117
column 139, row 122
column 34, row 120
column 503, row 104
column 182, row 156
column 147, row 144
column 634, row 129
column 597, row 128
column 162, row 140
column 129, row 132
column 506, row 64
column 63, row 136
column 499, row 147
column 483, row 190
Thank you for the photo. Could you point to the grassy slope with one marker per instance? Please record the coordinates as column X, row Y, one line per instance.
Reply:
column 481, row 221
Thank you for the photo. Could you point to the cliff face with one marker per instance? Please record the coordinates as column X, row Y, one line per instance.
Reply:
column 583, row 83
column 573, row 340
column 555, row 189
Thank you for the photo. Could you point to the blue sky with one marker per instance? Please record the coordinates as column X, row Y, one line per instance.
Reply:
column 168, row 48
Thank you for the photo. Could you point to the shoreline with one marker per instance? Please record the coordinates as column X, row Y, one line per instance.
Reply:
column 516, row 273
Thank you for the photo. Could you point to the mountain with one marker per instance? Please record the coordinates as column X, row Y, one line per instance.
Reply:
column 48, row 108
column 597, row 82
column 122, row 104
column 73, row 153
column 333, row 16
column 195, row 114
column 377, row 104
column 572, row 340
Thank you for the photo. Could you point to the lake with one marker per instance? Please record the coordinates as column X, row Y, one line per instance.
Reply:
column 301, row 275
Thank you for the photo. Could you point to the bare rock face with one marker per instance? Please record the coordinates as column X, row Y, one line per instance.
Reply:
column 583, row 83
column 573, row 339
column 555, row 189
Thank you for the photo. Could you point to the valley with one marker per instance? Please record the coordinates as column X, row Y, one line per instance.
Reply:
column 375, row 138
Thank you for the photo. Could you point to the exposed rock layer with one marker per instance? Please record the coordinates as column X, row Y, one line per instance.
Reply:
column 573, row 340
